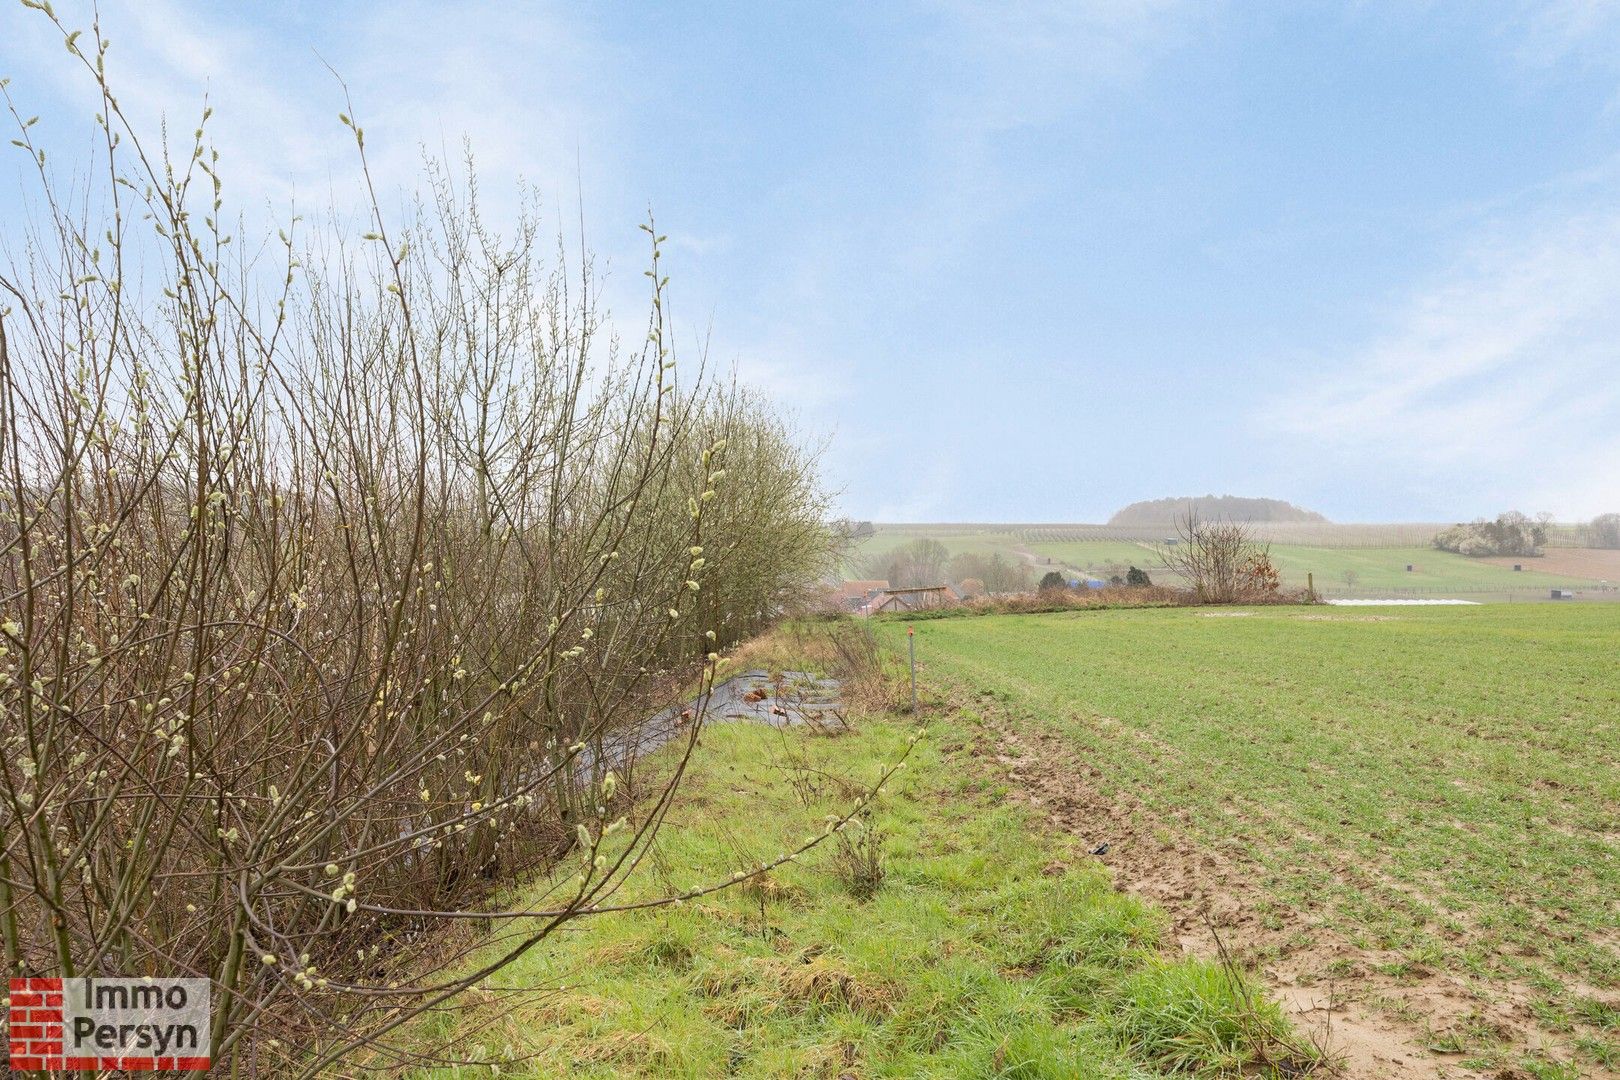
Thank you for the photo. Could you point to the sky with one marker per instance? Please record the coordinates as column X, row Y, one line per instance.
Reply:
column 1021, row 262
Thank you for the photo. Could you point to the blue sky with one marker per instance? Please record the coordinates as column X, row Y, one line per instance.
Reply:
column 1021, row 262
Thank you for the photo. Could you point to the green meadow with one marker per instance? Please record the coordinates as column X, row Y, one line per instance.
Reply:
column 1438, row 786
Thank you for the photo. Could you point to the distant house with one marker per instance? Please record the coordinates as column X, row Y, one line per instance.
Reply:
column 922, row 598
column 855, row 595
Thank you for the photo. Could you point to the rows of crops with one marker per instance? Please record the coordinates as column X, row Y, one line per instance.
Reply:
column 1437, row 786
column 1311, row 534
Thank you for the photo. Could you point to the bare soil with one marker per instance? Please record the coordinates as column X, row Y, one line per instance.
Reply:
column 1375, row 1025
column 1596, row 564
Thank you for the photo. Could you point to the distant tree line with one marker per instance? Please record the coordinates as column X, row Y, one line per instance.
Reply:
column 997, row 573
column 923, row 562
column 913, row 564
column 1511, row 533
column 1603, row 531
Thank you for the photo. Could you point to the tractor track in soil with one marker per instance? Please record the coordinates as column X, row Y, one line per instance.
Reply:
column 1332, row 989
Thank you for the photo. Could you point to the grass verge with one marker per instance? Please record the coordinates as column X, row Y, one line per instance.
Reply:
column 947, row 936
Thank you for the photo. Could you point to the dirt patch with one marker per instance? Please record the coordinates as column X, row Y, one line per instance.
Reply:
column 1381, row 1026
column 1594, row 564
column 1347, row 618
column 1360, row 1045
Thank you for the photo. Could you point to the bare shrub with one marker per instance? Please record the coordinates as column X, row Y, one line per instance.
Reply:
column 338, row 575
column 839, row 645
column 1221, row 562
column 872, row 679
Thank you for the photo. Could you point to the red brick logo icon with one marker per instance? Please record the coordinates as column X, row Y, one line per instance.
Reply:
column 34, row 1024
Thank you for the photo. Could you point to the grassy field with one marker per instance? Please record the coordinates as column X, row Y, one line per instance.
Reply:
column 1354, row 567
column 992, row 947
column 1385, row 568
column 1437, row 789
column 1096, row 556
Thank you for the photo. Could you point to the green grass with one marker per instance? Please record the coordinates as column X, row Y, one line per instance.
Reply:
column 1441, row 785
column 1385, row 568
column 989, row 950
column 1097, row 556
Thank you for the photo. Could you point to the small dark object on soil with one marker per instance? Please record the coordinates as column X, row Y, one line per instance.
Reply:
column 1100, row 849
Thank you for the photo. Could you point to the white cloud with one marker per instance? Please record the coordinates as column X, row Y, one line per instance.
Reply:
column 991, row 72
column 522, row 83
column 1006, row 67
column 1022, row 64
column 1552, row 31
column 1504, row 369
column 164, row 62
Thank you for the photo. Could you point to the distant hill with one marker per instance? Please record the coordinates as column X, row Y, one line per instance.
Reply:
column 1229, row 507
